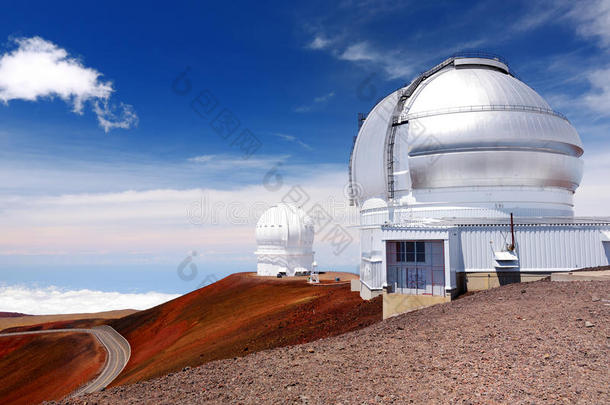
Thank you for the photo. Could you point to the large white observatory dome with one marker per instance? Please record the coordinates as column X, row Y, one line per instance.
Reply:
column 284, row 235
column 467, row 136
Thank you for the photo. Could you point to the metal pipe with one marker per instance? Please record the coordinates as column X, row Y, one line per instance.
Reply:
column 512, row 233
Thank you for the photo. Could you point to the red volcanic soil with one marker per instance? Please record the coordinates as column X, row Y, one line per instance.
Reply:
column 34, row 368
column 67, row 324
column 40, row 322
column 238, row 315
column 11, row 314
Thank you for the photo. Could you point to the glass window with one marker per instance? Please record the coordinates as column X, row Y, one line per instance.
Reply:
column 398, row 251
column 421, row 251
column 410, row 251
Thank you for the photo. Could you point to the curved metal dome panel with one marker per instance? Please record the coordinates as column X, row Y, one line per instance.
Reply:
column 472, row 86
column 501, row 130
column 496, row 169
column 368, row 166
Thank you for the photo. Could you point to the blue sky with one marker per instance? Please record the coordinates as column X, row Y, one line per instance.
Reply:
column 98, row 184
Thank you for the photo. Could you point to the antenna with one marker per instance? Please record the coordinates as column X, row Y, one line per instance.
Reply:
column 511, row 247
column 314, row 276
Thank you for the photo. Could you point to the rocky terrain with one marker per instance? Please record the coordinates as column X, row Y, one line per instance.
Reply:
column 539, row 342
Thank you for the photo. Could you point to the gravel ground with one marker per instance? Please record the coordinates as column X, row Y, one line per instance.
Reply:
column 539, row 342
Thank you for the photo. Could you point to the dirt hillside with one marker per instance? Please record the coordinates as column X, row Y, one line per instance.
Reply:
column 34, row 368
column 21, row 320
column 236, row 316
column 11, row 314
column 541, row 342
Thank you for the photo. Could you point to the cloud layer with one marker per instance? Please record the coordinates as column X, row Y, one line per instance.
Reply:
column 163, row 223
column 53, row 300
column 39, row 69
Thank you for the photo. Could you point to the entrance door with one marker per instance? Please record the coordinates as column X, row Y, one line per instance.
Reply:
column 416, row 267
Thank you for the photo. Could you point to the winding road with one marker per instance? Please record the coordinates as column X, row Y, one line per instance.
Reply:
column 116, row 346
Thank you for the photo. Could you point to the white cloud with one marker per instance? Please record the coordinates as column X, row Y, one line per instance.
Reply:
column 228, row 162
column 590, row 19
column 303, row 108
column 593, row 19
column 392, row 63
column 113, row 116
column 324, row 98
column 39, row 69
column 319, row 42
column 360, row 51
column 202, row 159
column 53, row 300
column 538, row 14
column 294, row 139
column 317, row 101
column 598, row 99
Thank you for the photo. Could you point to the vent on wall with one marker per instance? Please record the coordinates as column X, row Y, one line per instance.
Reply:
column 506, row 260
column 606, row 244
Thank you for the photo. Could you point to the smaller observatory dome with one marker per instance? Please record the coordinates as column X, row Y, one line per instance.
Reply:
column 284, row 235
column 285, row 225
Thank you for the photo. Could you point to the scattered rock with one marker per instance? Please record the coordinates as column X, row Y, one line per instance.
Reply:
column 474, row 349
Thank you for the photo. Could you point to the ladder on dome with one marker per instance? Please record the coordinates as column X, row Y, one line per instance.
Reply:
column 397, row 120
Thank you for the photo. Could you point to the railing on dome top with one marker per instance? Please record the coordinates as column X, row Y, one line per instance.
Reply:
column 475, row 108
column 480, row 54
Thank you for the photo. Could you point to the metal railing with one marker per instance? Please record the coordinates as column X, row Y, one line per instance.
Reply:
column 480, row 54
column 477, row 108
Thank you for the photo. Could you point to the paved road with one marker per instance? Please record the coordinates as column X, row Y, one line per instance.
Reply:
column 116, row 345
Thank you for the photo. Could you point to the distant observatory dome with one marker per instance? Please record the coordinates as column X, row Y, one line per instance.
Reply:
column 285, row 226
column 468, row 134
column 284, row 235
